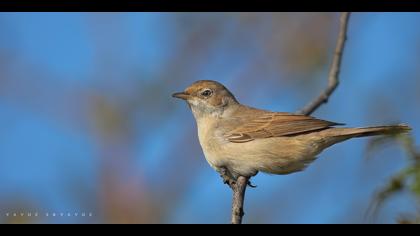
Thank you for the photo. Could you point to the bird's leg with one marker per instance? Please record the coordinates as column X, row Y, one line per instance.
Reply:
column 227, row 177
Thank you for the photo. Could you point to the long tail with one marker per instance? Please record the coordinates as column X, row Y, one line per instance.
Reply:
column 368, row 131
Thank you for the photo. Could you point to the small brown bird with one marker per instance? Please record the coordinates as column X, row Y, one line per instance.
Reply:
column 238, row 140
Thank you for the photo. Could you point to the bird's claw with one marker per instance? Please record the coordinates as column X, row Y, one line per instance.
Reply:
column 231, row 182
column 251, row 185
column 228, row 181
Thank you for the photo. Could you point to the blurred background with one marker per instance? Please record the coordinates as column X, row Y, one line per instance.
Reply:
column 88, row 124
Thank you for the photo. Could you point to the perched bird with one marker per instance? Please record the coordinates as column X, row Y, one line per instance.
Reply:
column 239, row 140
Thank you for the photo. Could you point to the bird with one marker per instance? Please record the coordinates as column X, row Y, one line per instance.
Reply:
column 239, row 140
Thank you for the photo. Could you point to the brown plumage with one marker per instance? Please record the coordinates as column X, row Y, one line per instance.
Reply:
column 264, row 124
column 245, row 140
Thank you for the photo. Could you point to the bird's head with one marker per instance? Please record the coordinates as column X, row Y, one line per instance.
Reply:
column 207, row 97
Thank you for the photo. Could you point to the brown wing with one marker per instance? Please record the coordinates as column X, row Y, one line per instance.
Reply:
column 275, row 124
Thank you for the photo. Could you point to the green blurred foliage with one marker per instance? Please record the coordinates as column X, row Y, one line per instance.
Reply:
column 405, row 180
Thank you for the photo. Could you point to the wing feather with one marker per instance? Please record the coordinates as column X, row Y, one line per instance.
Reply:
column 275, row 124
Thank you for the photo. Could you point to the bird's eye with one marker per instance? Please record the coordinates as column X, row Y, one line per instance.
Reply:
column 207, row 93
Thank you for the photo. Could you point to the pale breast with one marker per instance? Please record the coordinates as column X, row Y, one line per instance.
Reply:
column 212, row 142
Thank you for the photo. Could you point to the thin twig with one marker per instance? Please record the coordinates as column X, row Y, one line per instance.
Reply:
column 334, row 70
column 238, row 199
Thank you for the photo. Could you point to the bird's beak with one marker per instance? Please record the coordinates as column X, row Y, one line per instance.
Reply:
column 181, row 95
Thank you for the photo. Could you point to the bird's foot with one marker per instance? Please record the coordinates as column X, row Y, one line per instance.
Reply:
column 227, row 180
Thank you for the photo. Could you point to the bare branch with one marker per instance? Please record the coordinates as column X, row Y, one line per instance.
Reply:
column 239, row 189
column 334, row 70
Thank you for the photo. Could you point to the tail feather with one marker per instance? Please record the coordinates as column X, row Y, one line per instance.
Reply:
column 370, row 131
